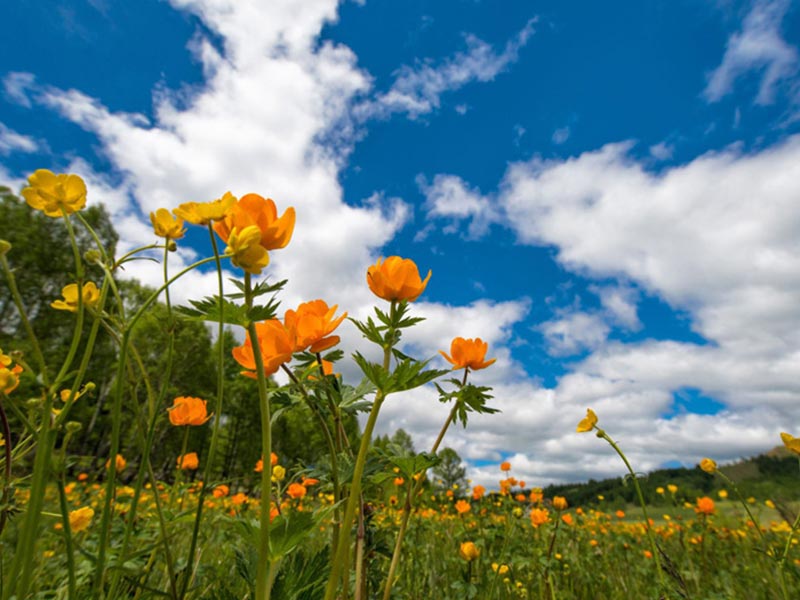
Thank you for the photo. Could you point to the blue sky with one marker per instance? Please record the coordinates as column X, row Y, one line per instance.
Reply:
column 609, row 193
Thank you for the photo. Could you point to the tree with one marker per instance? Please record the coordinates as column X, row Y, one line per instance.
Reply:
column 449, row 472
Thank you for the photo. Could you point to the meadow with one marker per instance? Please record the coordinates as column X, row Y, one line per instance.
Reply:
column 162, row 501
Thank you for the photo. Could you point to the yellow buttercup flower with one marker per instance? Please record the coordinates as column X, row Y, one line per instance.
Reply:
column 51, row 193
column 792, row 443
column 246, row 251
column 708, row 465
column 588, row 422
column 80, row 519
column 91, row 297
column 278, row 473
column 167, row 226
column 202, row 213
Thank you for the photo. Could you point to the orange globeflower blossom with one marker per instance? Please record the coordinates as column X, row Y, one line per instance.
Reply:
column 188, row 462
column 468, row 354
column 477, row 492
column 469, row 551
column 221, row 491
column 705, row 506
column 187, row 410
column 398, row 481
column 119, row 462
column 312, row 323
column 567, row 518
column 239, row 499
column 708, row 465
column 539, row 516
column 505, row 466
column 309, row 481
column 296, row 490
column 396, row 279
column 536, row 495
column 202, row 213
column 277, row 346
column 559, row 503
column 80, row 518
column 254, row 210
column 462, row 506
column 82, row 477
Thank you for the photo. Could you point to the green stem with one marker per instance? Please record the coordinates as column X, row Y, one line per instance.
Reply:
column 62, row 497
column 650, row 536
column 116, row 422
column 212, row 452
column 263, row 569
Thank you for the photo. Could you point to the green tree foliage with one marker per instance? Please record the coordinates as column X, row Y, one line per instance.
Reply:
column 450, row 471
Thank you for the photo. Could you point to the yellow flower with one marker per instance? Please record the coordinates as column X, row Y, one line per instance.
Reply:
column 51, row 193
column 588, row 422
column 396, row 279
column 9, row 379
column 722, row 494
column 792, row 443
column 167, row 226
column 80, row 519
column 119, row 462
column 708, row 465
column 278, row 473
column 254, row 210
column 469, row 551
column 672, row 488
column 769, row 504
column 202, row 213
column 91, row 297
column 660, row 490
column 246, row 251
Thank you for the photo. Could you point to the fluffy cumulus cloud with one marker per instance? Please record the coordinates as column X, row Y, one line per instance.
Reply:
column 449, row 197
column 716, row 239
column 11, row 141
column 758, row 47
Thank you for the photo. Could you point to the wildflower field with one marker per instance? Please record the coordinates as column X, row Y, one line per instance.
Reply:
column 162, row 500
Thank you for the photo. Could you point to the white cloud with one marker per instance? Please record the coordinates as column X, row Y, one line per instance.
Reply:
column 573, row 332
column 448, row 197
column 619, row 303
column 11, row 141
column 662, row 151
column 561, row 135
column 759, row 46
column 15, row 85
column 417, row 90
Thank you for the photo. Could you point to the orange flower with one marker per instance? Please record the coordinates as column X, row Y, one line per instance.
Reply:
column 187, row 410
column 536, row 495
column 505, row 466
column 253, row 209
column 82, row 477
column 239, row 499
column 559, row 503
column 539, row 516
column 119, row 462
column 312, row 323
column 462, row 506
column 398, row 481
column 277, row 346
column 396, row 279
column 8, row 378
column 477, row 492
column 468, row 354
column 705, row 506
column 221, row 491
column 567, row 518
column 309, row 481
column 296, row 490
column 620, row 514
column 188, row 462
column 469, row 551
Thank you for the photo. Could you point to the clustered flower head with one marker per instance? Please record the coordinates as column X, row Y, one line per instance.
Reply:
column 53, row 193
column 396, row 279
column 468, row 354
column 187, row 410
column 89, row 292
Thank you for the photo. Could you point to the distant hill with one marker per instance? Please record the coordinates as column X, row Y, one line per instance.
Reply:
column 773, row 475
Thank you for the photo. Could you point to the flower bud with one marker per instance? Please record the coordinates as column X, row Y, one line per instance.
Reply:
column 92, row 256
column 172, row 246
column 73, row 426
column 4, row 247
